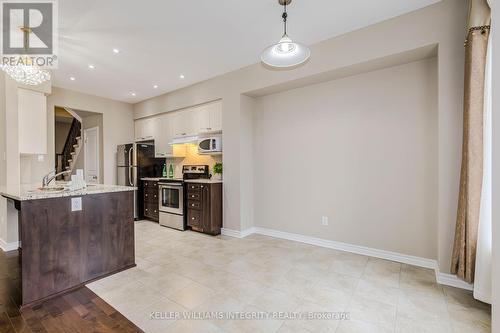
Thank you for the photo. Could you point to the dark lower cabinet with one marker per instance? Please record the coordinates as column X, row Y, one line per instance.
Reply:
column 204, row 207
column 151, row 203
column 64, row 249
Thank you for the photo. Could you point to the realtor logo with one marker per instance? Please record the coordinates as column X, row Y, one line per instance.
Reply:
column 29, row 29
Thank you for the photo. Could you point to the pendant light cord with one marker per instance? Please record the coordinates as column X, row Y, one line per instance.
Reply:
column 284, row 16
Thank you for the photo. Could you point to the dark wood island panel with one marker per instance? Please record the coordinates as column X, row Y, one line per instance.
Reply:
column 64, row 249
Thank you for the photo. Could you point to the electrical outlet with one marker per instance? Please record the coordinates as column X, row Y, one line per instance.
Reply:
column 324, row 220
column 76, row 204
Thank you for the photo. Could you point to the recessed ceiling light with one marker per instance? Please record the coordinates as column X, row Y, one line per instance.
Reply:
column 91, row 67
column 132, row 93
column 72, row 78
column 116, row 51
column 155, row 86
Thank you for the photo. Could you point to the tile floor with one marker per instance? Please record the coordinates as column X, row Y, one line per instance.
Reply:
column 187, row 271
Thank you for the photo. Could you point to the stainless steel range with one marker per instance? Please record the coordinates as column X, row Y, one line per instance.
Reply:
column 171, row 195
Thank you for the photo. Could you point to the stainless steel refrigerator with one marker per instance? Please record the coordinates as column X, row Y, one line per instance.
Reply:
column 136, row 161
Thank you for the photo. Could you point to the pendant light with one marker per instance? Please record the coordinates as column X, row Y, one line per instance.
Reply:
column 285, row 53
column 25, row 71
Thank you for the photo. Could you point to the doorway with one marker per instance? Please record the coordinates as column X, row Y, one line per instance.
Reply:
column 91, row 155
column 79, row 143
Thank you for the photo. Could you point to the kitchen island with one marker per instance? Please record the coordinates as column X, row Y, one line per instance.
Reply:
column 69, row 238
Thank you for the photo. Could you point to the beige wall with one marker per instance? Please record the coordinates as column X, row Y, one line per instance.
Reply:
column 90, row 122
column 361, row 150
column 442, row 24
column 118, row 128
column 247, row 145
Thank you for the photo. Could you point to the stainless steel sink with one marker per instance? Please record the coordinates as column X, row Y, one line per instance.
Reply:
column 52, row 189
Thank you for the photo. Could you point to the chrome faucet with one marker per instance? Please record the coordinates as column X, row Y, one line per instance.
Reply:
column 48, row 177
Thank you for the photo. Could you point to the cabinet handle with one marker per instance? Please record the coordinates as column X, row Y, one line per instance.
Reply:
column 155, row 210
column 146, row 209
column 192, row 196
column 155, row 196
column 192, row 218
column 192, row 205
column 146, row 194
column 201, row 186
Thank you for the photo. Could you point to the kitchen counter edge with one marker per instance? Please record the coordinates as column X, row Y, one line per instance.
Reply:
column 205, row 181
column 26, row 194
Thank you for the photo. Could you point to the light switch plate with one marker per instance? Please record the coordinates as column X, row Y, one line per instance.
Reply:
column 76, row 204
column 41, row 158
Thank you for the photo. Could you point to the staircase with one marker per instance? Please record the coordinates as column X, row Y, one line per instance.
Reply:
column 71, row 150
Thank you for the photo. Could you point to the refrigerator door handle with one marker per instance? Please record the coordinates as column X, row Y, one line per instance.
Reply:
column 130, row 176
column 130, row 157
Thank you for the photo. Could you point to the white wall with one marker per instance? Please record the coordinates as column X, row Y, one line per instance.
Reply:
column 361, row 150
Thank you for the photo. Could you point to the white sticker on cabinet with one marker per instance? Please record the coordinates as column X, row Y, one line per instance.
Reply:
column 76, row 204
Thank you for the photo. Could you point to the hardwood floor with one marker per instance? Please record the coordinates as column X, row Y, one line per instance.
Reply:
column 76, row 312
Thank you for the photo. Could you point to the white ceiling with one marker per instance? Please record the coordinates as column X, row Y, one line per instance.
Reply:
column 161, row 39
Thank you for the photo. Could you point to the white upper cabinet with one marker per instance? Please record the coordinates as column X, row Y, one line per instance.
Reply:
column 209, row 118
column 184, row 123
column 164, row 137
column 32, row 107
column 138, row 129
column 206, row 118
column 146, row 129
column 216, row 117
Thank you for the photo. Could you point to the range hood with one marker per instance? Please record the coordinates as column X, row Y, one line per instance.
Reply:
column 184, row 139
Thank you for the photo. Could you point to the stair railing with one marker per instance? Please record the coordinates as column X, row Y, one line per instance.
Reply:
column 71, row 140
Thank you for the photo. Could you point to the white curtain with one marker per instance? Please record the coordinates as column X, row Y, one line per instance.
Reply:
column 482, row 277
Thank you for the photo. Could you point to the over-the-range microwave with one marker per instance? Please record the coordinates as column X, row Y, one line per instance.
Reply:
column 210, row 145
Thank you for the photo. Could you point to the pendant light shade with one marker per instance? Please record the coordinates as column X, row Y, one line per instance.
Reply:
column 285, row 53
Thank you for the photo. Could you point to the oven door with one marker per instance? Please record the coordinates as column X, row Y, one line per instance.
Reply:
column 171, row 198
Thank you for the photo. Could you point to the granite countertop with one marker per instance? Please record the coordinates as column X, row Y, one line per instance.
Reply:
column 31, row 192
column 157, row 179
column 204, row 181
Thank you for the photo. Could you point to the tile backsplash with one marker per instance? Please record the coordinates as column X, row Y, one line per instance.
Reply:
column 193, row 158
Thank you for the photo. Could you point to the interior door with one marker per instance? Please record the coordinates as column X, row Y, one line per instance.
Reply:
column 91, row 149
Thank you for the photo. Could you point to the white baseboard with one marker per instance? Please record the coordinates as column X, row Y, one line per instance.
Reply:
column 357, row 249
column 231, row 233
column 441, row 278
column 237, row 233
column 452, row 281
column 6, row 247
